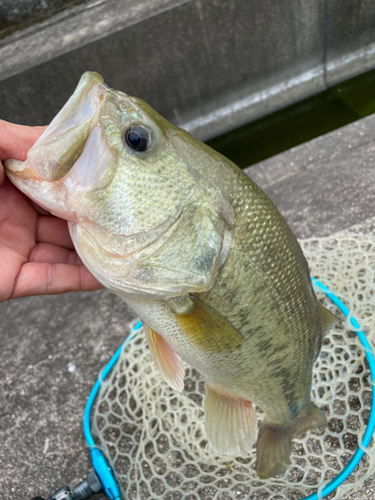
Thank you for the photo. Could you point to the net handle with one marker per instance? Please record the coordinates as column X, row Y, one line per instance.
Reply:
column 105, row 473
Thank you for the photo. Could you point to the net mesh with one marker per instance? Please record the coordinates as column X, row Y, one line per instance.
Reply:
column 155, row 439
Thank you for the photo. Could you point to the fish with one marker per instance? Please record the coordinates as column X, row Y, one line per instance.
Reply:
column 199, row 252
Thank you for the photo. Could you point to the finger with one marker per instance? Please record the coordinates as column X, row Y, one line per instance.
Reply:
column 10, row 263
column 16, row 140
column 45, row 252
column 38, row 209
column 53, row 230
column 36, row 278
column 2, row 174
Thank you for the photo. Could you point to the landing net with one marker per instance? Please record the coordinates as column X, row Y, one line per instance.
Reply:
column 155, row 439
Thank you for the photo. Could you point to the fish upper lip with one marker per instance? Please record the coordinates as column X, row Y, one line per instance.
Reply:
column 56, row 151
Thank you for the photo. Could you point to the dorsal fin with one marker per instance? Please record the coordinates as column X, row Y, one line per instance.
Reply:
column 328, row 319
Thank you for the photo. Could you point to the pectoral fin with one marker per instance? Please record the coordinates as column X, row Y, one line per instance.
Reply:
column 230, row 423
column 166, row 359
column 207, row 329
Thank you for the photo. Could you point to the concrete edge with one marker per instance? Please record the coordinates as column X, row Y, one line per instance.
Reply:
column 238, row 112
column 74, row 28
column 350, row 64
column 221, row 119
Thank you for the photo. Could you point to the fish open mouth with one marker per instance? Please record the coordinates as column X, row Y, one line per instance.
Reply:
column 61, row 144
column 41, row 177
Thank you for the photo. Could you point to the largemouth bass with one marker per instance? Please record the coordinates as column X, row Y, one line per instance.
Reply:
column 198, row 251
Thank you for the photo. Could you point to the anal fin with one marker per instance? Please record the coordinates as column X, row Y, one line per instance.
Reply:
column 230, row 423
column 166, row 359
column 275, row 442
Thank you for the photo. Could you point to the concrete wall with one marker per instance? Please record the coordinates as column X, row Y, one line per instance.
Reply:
column 207, row 65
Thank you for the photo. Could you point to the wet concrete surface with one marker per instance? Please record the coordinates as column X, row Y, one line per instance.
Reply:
column 52, row 348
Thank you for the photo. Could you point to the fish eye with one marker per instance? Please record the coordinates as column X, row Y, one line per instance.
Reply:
column 138, row 137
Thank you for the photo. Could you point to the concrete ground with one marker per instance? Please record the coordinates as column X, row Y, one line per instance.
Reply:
column 53, row 347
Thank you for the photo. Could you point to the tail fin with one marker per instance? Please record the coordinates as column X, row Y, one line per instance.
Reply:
column 275, row 442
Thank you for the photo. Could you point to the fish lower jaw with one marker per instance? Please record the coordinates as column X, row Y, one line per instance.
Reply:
column 47, row 195
column 17, row 168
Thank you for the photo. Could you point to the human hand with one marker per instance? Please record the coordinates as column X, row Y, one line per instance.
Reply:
column 37, row 256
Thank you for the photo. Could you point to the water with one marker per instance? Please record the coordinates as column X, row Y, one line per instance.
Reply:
column 300, row 122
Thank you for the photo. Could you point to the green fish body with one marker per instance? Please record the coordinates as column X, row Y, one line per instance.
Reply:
column 199, row 252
